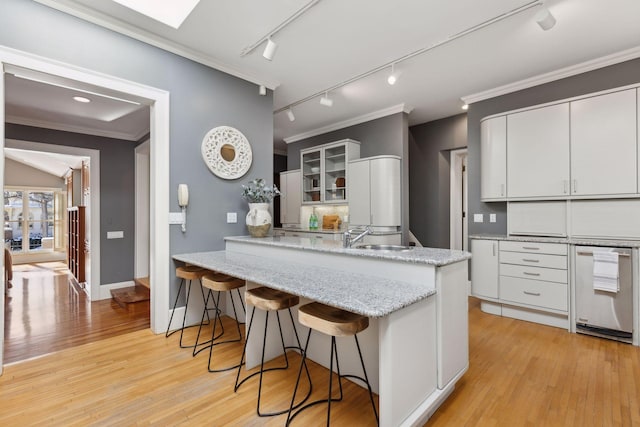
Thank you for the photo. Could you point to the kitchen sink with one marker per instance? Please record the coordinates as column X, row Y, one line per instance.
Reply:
column 394, row 248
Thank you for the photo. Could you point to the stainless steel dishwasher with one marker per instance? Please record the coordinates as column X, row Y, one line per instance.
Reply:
column 601, row 313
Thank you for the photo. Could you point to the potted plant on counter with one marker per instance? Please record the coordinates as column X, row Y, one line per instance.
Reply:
column 259, row 195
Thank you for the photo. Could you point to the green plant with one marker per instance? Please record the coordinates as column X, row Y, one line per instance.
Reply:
column 257, row 191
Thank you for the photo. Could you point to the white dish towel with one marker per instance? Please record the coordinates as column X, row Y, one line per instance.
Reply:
column 605, row 271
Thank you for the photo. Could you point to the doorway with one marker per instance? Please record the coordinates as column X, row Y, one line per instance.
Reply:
column 458, row 201
column 158, row 100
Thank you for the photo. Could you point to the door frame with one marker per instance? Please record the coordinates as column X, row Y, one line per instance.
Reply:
column 141, row 245
column 457, row 200
column 158, row 100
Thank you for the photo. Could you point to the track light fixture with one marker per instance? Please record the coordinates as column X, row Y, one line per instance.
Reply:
column 326, row 101
column 465, row 107
column 393, row 78
column 545, row 19
column 270, row 49
column 263, row 90
column 290, row 115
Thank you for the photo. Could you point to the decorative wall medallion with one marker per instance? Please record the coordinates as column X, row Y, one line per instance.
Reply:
column 227, row 152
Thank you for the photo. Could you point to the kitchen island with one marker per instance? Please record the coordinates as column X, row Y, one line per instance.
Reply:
column 416, row 346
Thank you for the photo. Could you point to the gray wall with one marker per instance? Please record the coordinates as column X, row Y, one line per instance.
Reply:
column 19, row 174
column 430, row 145
column 384, row 136
column 201, row 98
column 117, row 181
column 604, row 78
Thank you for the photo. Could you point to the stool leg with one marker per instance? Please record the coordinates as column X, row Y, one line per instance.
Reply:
column 244, row 351
column 295, row 390
column 373, row 405
column 205, row 311
column 174, row 309
column 184, row 318
column 264, row 344
column 306, row 367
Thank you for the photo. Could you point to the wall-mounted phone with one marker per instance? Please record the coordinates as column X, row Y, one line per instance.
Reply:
column 183, row 201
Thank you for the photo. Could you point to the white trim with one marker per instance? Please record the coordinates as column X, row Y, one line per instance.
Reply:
column 2, row 295
column 105, row 290
column 159, row 178
column 572, row 70
column 400, row 108
column 455, row 197
column 142, row 211
column 98, row 18
column 76, row 129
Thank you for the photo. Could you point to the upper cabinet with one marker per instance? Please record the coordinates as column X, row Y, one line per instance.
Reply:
column 538, row 152
column 290, row 199
column 603, row 144
column 493, row 155
column 324, row 171
column 374, row 191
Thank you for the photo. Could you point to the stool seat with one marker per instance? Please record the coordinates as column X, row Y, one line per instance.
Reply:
column 190, row 272
column 221, row 282
column 330, row 320
column 270, row 299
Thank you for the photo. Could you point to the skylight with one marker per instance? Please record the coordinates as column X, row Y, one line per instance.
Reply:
column 169, row 12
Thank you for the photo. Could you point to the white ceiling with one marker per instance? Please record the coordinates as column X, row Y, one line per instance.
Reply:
column 51, row 163
column 336, row 40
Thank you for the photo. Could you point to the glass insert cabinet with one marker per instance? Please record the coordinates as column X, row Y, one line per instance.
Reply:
column 324, row 171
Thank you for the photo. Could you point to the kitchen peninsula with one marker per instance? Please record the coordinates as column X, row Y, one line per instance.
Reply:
column 416, row 347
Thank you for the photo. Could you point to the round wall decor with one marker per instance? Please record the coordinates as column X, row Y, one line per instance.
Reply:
column 227, row 152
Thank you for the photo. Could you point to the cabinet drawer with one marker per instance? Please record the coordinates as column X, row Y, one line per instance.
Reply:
column 534, row 259
column 536, row 273
column 534, row 247
column 534, row 292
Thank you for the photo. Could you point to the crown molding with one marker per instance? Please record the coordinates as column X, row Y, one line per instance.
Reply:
column 74, row 129
column 400, row 108
column 139, row 34
column 572, row 70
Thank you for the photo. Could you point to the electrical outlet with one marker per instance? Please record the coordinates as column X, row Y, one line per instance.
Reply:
column 492, row 217
column 232, row 217
column 478, row 218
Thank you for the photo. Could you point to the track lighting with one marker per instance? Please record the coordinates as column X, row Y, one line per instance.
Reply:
column 290, row 115
column 270, row 49
column 326, row 101
column 263, row 90
column 393, row 78
column 545, row 19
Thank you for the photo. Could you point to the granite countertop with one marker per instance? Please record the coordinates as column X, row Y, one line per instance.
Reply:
column 417, row 255
column 360, row 293
column 332, row 231
column 565, row 240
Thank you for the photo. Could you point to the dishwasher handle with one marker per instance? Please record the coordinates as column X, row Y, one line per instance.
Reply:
column 590, row 253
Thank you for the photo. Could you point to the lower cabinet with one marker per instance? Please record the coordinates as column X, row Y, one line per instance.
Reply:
column 523, row 280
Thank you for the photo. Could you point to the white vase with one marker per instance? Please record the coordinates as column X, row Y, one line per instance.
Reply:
column 258, row 219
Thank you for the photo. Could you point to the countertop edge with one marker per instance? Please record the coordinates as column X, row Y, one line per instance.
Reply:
column 561, row 240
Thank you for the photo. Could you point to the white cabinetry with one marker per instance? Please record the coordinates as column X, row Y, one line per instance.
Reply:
column 324, row 171
column 603, row 144
column 493, row 158
column 291, row 197
column 484, row 268
column 538, row 152
column 374, row 191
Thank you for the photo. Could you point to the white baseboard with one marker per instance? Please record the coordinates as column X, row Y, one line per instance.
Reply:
column 105, row 290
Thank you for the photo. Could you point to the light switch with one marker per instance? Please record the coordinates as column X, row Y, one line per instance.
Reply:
column 478, row 218
column 232, row 217
column 115, row 234
column 492, row 217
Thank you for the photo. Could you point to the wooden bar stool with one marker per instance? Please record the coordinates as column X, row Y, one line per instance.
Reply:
column 335, row 323
column 268, row 299
column 218, row 282
column 186, row 273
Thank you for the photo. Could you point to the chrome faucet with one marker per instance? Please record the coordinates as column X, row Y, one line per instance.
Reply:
column 347, row 240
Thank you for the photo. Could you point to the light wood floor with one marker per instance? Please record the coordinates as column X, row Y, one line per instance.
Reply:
column 43, row 314
column 520, row 374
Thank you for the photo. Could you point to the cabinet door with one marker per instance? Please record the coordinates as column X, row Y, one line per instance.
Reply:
column 359, row 188
column 484, row 268
column 291, row 198
column 538, row 152
column 335, row 173
column 310, row 164
column 385, row 191
column 493, row 159
column 603, row 144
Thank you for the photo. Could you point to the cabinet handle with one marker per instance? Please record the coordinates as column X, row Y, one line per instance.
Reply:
column 531, row 248
column 575, row 185
column 526, row 273
column 565, row 183
column 530, row 260
column 502, row 190
column 494, row 249
column 535, row 294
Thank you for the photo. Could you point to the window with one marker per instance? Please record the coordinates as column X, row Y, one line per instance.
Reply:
column 33, row 219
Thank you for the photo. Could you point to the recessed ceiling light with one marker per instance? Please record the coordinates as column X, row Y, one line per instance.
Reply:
column 169, row 12
column 81, row 99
